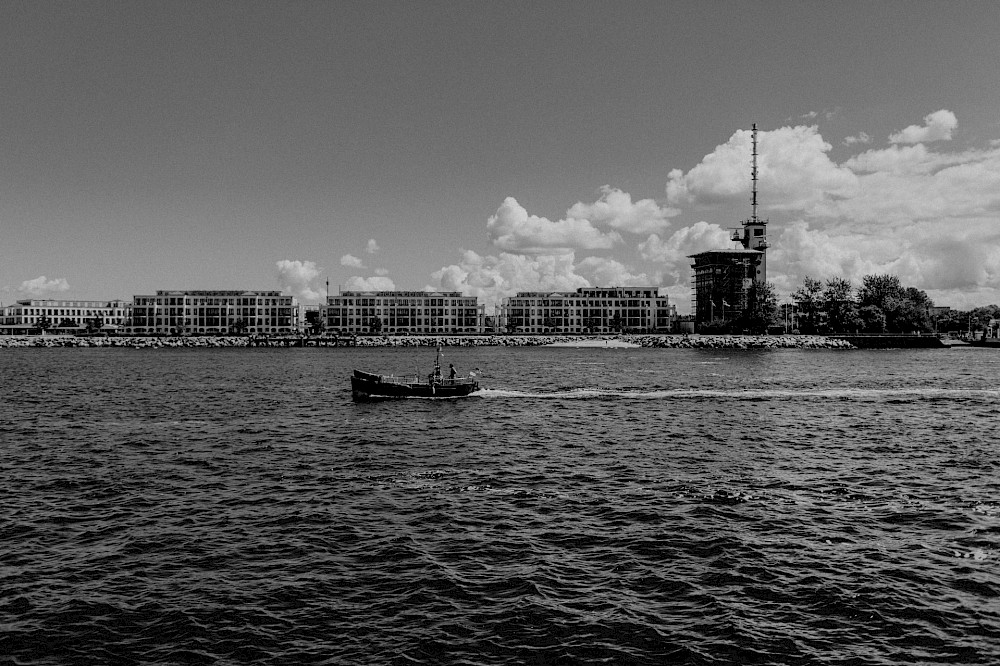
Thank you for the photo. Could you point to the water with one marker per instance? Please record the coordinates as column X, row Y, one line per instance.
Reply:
column 620, row 506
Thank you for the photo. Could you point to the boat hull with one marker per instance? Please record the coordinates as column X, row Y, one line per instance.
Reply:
column 366, row 386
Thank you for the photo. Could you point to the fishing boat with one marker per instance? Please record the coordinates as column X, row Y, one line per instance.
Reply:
column 367, row 386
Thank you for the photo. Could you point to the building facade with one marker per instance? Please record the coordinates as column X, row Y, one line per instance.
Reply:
column 722, row 283
column 403, row 312
column 69, row 316
column 214, row 313
column 588, row 310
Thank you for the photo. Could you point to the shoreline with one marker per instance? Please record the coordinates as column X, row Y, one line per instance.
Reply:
column 629, row 341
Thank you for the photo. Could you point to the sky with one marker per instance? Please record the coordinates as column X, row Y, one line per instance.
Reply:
column 491, row 147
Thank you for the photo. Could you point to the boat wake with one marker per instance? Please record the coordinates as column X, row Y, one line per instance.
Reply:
column 862, row 394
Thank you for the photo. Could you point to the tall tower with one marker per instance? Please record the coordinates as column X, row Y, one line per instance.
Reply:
column 754, row 236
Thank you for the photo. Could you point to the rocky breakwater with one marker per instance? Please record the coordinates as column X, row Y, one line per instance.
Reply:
column 658, row 341
column 741, row 342
column 135, row 343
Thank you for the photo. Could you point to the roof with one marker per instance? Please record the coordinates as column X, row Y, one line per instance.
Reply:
column 727, row 251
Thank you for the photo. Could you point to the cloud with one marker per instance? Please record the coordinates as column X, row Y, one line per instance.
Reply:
column 41, row 286
column 938, row 126
column 861, row 137
column 351, row 261
column 296, row 277
column 493, row 278
column 377, row 283
column 512, row 229
column 603, row 271
column 372, row 247
column 794, row 169
column 615, row 209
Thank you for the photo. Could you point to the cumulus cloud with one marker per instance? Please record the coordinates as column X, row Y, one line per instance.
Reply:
column 794, row 169
column 351, row 261
column 377, row 283
column 860, row 137
column 297, row 277
column 372, row 246
column 511, row 228
column 937, row 126
column 493, row 278
column 615, row 209
column 42, row 286
column 699, row 237
column 607, row 272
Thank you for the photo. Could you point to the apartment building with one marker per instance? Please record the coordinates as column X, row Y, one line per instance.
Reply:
column 214, row 313
column 403, row 312
column 68, row 316
column 588, row 310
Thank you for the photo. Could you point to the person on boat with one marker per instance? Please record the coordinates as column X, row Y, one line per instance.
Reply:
column 437, row 374
column 451, row 372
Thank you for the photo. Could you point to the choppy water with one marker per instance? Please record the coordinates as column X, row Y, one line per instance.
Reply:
column 624, row 506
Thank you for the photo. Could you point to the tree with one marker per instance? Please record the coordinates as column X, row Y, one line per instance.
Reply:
column 43, row 324
column 239, row 327
column 513, row 324
column 872, row 319
column 67, row 323
column 762, row 309
column 375, row 325
column 905, row 309
column 841, row 309
column 94, row 325
column 809, row 299
column 315, row 323
column 617, row 323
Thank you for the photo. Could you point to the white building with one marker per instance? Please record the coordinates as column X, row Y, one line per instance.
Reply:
column 214, row 313
column 588, row 310
column 403, row 312
column 63, row 316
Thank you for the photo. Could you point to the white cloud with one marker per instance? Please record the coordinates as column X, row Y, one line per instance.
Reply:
column 296, row 277
column 351, row 261
column 606, row 272
column 861, row 137
column 377, row 283
column 382, row 272
column 794, row 170
column 938, row 126
column 672, row 253
column 493, row 278
column 41, row 286
column 372, row 247
column 615, row 209
column 511, row 228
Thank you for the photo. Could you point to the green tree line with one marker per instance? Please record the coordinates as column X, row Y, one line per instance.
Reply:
column 881, row 304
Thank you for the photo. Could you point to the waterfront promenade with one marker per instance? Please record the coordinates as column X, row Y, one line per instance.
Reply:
column 658, row 341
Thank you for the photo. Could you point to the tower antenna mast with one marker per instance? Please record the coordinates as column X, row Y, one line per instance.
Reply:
column 753, row 175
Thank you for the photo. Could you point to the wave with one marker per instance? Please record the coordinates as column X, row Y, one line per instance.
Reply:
column 868, row 394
